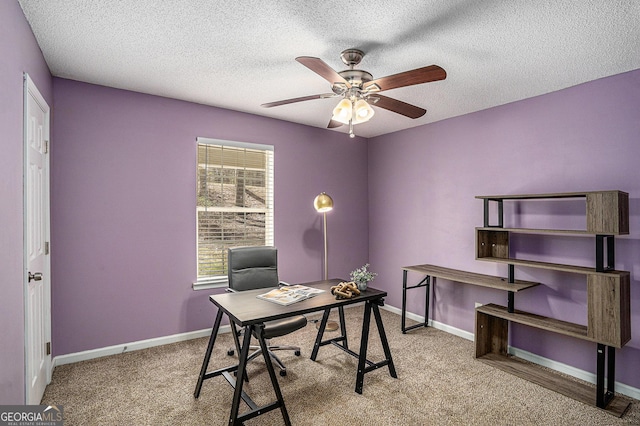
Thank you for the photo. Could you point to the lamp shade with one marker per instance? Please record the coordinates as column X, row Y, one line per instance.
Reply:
column 343, row 111
column 362, row 112
column 323, row 203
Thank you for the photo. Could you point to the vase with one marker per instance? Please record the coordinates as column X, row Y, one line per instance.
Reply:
column 362, row 285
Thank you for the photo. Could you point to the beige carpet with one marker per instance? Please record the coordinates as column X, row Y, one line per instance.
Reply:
column 439, row 383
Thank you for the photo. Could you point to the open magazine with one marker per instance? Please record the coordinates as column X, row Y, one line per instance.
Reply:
column 288, row 294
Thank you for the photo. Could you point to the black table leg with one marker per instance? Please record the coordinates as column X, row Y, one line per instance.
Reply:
column 404, row 303
column 384, row 341
column 364, row 343
column 426, row 282
column 236, row 341
column 207, row 356
column 242, row 366
column 343, row 326
column 340, row 341
column 272, row 376
column 318, row 343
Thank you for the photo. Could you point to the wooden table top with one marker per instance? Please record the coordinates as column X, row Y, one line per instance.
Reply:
column 244, row 308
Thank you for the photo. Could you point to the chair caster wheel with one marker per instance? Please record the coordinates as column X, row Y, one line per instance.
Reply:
column 283, row 373
column 297, row 353
column 230, row 352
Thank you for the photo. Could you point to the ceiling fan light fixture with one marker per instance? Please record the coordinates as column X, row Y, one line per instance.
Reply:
column 343, row 111
column 363, row 112
column 359, row 91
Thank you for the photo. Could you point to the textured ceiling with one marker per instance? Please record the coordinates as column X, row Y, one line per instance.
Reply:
column 239, row 54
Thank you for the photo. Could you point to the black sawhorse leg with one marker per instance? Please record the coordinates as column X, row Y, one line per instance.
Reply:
column 336, row 340
column 364, row 344
column 234, row 417
column 205, row 363
column 241, row 369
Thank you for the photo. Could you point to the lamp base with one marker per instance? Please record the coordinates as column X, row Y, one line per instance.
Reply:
column 331, row 326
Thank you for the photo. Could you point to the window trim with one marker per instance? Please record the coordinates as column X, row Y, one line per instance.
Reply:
column 220, row 281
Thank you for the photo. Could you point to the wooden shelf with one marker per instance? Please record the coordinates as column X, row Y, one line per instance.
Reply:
column 491, row 342
column 473, row 278
column 535, row 230
column 580, row 391
column 553, row 266
column 537, row 321
column 607, row 212
column 546, row 196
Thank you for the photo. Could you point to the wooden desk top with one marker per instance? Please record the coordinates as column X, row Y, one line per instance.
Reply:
column 482, row 280
column 244, row 308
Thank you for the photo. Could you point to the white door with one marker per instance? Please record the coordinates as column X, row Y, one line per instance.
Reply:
column 36, row 257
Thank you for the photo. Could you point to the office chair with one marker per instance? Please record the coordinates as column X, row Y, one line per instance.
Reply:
column 253, row 268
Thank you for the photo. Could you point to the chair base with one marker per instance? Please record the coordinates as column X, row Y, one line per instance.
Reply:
column 278, row 362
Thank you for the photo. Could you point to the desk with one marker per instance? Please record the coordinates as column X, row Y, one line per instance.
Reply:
column 509, row 284
column 248, row 312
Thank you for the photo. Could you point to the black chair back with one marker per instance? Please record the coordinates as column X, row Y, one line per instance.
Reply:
column 252, row 267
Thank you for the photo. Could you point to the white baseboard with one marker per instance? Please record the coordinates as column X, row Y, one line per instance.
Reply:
column 571, row 371
column 133, row 346
column 149, row 343
column 435, row 324
column 527, row 356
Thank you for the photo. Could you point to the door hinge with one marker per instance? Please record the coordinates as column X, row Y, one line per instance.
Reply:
column 46, row 146
column 46, row 247
column 48, row 348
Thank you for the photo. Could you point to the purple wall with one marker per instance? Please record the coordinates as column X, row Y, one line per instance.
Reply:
column 422, row 184
column 19, row 53
column 123, row 191
column 123, row 210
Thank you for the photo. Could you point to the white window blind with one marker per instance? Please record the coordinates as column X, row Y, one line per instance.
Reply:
column 234, row 203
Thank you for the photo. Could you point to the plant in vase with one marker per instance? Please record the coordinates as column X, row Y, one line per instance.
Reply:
column 362, row 276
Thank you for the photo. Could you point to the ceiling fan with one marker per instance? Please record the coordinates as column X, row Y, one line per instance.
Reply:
column 359, row 90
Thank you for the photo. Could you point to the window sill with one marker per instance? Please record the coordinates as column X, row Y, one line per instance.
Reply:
column 209, row 284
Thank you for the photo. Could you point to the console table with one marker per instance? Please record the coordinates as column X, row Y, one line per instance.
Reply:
column 430, row 272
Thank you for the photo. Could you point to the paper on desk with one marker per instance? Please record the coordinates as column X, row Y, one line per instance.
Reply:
column 287, row 295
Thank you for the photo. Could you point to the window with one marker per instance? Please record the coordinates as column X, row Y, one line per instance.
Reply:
column 234, row 203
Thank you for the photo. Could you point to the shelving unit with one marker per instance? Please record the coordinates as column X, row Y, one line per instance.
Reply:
column 608, row 295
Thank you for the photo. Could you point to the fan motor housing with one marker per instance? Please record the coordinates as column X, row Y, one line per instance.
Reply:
column 356, row 78
column 351, row 57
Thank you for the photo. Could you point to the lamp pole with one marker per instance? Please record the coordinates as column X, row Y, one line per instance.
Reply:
column 324, row 203
column 326, row 264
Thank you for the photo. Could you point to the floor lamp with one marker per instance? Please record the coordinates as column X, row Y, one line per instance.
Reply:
column 324, row 203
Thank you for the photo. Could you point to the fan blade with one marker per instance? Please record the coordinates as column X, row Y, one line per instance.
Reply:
column 399, row 107
column 333, row 124
column 409, row 78
column 318, row 66
column 303, row 98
